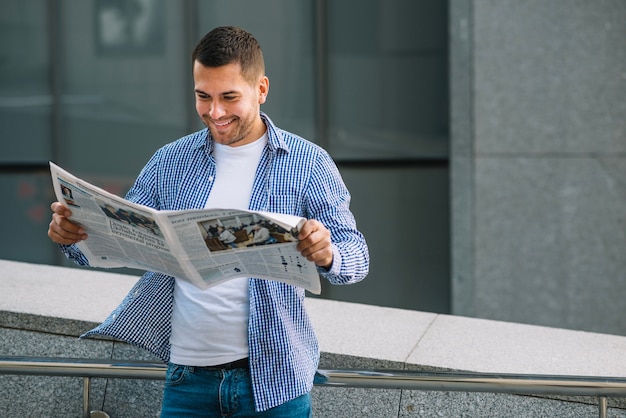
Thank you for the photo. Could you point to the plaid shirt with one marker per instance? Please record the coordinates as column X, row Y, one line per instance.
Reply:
column 295, row 177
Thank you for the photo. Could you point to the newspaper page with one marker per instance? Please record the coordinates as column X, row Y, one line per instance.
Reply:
column 202, row 246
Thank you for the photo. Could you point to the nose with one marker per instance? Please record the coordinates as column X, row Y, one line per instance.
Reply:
column 216, row 110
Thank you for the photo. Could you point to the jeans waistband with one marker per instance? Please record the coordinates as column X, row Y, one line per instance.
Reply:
column 237, row 364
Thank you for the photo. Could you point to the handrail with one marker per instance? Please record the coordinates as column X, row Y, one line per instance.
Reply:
column 476, row 382
column 602, row 387
column 81, row 367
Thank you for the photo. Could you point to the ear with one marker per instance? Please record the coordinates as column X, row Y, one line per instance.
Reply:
column 263, row 89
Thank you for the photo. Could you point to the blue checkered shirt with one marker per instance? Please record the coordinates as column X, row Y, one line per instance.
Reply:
column 294, row 177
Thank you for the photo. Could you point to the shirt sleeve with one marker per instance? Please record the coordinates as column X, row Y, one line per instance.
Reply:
column 73, row 253
column 143, row 190
column 329, row 203
column 139, row 193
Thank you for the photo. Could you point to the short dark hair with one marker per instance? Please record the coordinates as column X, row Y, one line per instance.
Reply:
column 227, row 45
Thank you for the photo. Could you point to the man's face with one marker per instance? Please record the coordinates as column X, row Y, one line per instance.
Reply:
column 228, row 104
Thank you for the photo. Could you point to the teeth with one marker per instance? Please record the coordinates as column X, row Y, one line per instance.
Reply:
column 220, row 124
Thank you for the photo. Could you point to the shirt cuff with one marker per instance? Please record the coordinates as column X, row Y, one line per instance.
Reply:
column 335, row 267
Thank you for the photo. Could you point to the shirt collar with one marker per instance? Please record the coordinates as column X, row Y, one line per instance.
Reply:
column 275, row 138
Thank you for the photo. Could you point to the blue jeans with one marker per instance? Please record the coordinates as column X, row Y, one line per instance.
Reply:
column 197, row 392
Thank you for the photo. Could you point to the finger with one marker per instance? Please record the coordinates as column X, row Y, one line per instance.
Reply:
column 306, row 230
column 58, row 233
column 64, row 223
column 62, row 229
column 316, row 247
column 310, row 249
column 322, row 257
column 56, row 236
column 311, row 227
column 60, row 208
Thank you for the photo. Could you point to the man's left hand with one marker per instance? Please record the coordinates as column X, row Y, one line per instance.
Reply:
column 315, row 243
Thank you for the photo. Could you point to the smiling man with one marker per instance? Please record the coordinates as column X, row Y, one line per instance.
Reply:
column 245, row 347
column 228, row 99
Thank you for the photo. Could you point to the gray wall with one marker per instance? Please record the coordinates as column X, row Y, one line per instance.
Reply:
column 538, row 162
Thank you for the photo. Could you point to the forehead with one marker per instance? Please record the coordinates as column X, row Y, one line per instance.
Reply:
column 225, row 77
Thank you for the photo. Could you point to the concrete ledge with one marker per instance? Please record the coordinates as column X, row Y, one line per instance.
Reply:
column 64, row 293
column 42, row 309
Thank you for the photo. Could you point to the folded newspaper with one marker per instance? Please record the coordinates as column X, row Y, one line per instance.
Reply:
column 202, row 246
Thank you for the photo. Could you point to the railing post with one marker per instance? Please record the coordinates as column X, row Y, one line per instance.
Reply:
column 602, row 406
column 86, row 384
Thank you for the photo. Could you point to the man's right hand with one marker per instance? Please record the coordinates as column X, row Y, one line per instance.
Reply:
column 61, row 230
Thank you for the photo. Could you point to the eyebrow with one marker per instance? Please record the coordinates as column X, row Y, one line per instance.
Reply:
column 226, row 93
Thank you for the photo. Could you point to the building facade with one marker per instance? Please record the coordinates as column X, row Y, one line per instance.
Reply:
column 483, row 141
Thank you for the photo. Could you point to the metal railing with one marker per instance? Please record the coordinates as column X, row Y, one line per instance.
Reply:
column 601, row 387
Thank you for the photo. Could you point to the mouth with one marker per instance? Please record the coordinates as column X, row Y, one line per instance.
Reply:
column 221, row 124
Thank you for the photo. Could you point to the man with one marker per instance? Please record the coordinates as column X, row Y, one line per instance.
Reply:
column 260, row 234
column 245, row 347
column 226, row 236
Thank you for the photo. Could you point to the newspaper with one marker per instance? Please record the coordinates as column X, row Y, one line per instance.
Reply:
column 202, row 246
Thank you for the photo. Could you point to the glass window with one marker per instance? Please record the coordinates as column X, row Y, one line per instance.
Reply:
column 99, row 85
column 123, row 66
column 25, row 97
column 284, row 28
column 388, row 76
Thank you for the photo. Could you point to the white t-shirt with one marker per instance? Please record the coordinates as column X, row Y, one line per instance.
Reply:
column 210, row 326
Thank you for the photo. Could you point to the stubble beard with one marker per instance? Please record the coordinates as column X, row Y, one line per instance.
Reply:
column 241, row 132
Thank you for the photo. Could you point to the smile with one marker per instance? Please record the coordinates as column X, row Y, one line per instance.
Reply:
column 222, row 124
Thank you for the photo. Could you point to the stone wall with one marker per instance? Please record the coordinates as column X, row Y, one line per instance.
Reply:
column 538, row 94
column 43, row 309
